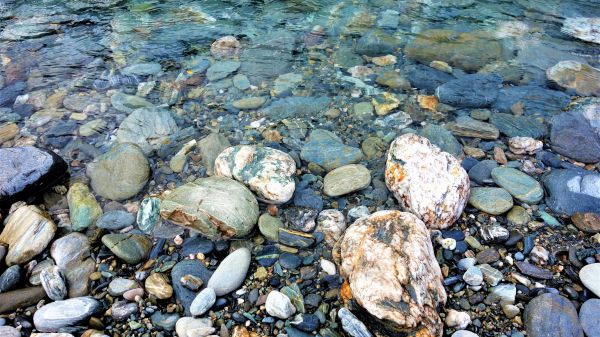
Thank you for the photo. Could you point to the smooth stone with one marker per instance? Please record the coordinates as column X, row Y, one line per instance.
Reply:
column 294, row 106
column 128, row 103
column 27, row 171
column 142, row 69
column 464, row 333
column 269, row 226
column 164, row 321
column 131, row 248
column 193, row 267
column 193, row 327
column 518, row 126
column 195, row 245
column 492, row 200
column 502, row 293
column 465, row 126
column 279, row 305
column 20, row 298
column 53, row 283
column 295, row 238
column 473, row 276
column 249, row 103
column 575, row 134
column 442, row 138
column 520, row 185
column 217, row 207
column 530, row 101
column 158, row 285
column 466, row 263
column 551, row 315
column 148, row 128
column 590, row 277
column 131, row 295
column 481, row 173
column 346, row 179
column 9, row 93
column 27, row 232
column 470, row 91
column 570, row 191
column 210, row 148
column 63, row 314
column 115, row 220
column 377, row 43
column 120, row 173
column 84, row 210
column 203, row 302
column 121, row 310
column 119, row 286
column 148, row 215
column 587, row 222
column 426, row 181
column 266, row 171
column 9, row 331
column 518, row 216
column 533, row 271
column 72, row 255
column 588, row 316
column 327, row 150
column 332, row 223
column 426, row 78
column 10, row 278
column 306, row 322
column 231, row 273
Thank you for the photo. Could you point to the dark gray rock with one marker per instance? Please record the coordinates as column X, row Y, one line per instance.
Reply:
column 533, row 271
column 531, row 100
column 572, row 190
column 481, row 173
column 268, row 55
column 164, row 321
column 115, row 220
column 518, row 126
column 589, row 316
column 10, row 278
column 9, row 93
column 27, row 171
column 470, row 91
column 576, row 134
column 59, row 134
column 551, row 315
column 426, row 78
column 187, row 267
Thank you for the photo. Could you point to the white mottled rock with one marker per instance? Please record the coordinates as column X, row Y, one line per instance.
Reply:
column 203, row 301
column 585, row 29
column 524, row 145
column 426, row 181
column 61, row 314
column 390, row 265
column 328, row 267
column 267, row 172
column 457, row 319
column 464, row 333
column 590, row 277
column 27, row 231
column 332, row 224
column 279, row 305
column 352, row 325
column 188, row 326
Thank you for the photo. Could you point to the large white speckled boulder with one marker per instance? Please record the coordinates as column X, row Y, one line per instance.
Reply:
column 389, row 263
column 268, row 172
column 426, row 181
column 218, row 207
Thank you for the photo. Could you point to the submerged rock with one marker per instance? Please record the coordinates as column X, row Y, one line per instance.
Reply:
column 210, row 148
column 149, row 128
column 579, row 77
column 407, row 290
column 215, row 206
column 27, row 171
column 27, row 232
column 585, row 29
column 120, row 173
column 426, row 181
column 267, row 172
column 83, row 208
column 571, row 191
column 470, row 91
column 576, row 133
column 328, row 151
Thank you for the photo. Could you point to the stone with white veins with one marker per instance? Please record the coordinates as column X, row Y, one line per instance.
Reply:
column 72, row 256
column 53, row 283
column 457, row 319
column 268, row 172
column 203, row 302
column 63, row 314
column 352, row 325
column 583, row 28
column 408, row 274
column 149, row 128
column 279, row 305
column 332, row 224
column 231, row 273
column 426, row 181
column 590, row 277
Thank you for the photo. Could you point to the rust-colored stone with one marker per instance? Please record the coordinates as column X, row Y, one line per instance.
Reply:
column 587, row 222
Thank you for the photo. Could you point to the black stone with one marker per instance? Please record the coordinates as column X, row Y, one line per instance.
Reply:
column 187, row 267
column 532, row 100
column 565, row 198
column 470, row 91
column 426, row 78
column 10, row 278
column 195, row 245
column 289, row 261
column 307, row 197
column 588, row 316
column 513, row 238
column 574, row 136
column 518, row 126
column 306, row 322
column 268, row 255
column 27, row 171
column 295, row 238
column 455, row 234
column 468, row 163
column 482, row 172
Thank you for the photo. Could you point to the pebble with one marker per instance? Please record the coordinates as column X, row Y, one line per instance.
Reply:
column 492, row 200
column 328, row 267
column 521, row 186
column 115, row 220
column 466, row 263
column 131, row 294
column 279, row 305
column 158, row 285
column 269, row 226
column 231, row 273
column 10, row 278
column 148, row 216
column 192, row 327
column 587, row 222
column 72, row 255
column 8, row 331
column 457, row 319
column 332, row 223
column 203, row 302
column 289, row 261
column 84, row 210
column 502, row 293
column 464, row 333
column 352, row 325
column 131, row 248
column 295, row 238
column 147, row 127
column 491, row 275
column 121, row 310
column 590, row 277
column 63, row 314
column 194, row 268
column 551, row 315
column 473, row 276
column 346, row 179
column 533, row 271
column 327, row 150
column 53, row 283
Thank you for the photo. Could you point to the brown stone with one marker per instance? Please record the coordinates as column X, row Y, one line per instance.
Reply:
column 489, row 256
column 12, row 300
column 389, row 263
column 8, row 131
column 158, row 285
column 587, row 222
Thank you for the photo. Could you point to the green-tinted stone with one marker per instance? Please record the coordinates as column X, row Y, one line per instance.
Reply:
column 549, row 219
column 393, row 80
column 249, row 103
column 148, row 215
column 362, row 111
column 442, row 138
column 293, row 292
column 269, row 227
column 346, row 179
column 131, row 248
column 521, row 186
column 491, row 200
column 83, row 208
column 518, row 216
